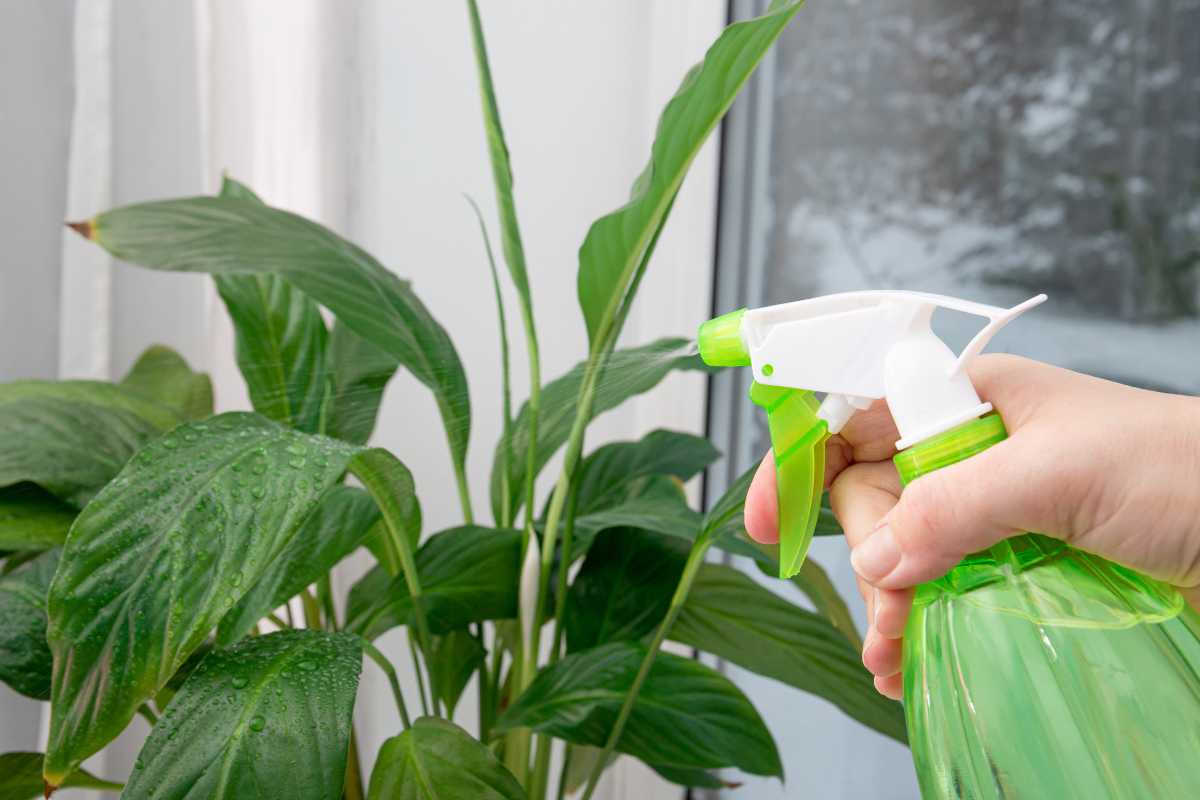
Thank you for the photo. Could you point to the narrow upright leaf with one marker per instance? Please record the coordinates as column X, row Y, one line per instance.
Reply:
column 437, row 760
column 624, row 588
column 338, row 526
column 686, row 715
column 21, row 778
column 729, row 615
column 72, row 437
column 32, row 518
column 161, row 555
column 361, row 372
column 161, row 375
column 467, row 574
column 617, row 246
column 629, row 373
column 269, row 717
column 225, row 235
column 25, row 660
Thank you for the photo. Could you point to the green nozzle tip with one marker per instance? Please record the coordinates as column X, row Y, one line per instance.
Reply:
column 721, row 343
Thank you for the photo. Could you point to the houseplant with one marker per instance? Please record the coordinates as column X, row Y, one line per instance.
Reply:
column 149, row 543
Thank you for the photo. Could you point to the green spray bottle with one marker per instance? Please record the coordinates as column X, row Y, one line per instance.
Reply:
column 1031, row 669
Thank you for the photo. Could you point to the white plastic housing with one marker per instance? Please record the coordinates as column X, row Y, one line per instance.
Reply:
column 860, row 346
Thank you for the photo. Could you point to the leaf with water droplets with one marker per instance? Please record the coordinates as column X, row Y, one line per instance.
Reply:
column 161, row 555
column 437, row 760
column 269, row 717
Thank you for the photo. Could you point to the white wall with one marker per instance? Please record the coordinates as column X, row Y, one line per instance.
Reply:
column 365, row 116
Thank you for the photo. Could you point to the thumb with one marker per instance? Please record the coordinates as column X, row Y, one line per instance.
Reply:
column 945, row 515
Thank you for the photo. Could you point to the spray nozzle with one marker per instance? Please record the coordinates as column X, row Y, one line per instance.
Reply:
column 855, row 347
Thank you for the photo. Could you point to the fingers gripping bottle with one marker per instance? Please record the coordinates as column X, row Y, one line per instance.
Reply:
column 1031, row 669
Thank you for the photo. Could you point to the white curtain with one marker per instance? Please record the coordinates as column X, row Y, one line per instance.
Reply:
column 363, row 115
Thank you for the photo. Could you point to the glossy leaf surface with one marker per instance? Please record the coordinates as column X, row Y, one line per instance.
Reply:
column 729, row 615
column 618, row 244
column 338, row 525
column 624, row 587
column 25, row 660
column 162, row 376
column 32, row 519
column 629, row 373
column 223, row 235
column 21, row 777
column 72, row 437
column 468, row 574
column 360, row 373
column 456, row 656
column 437, row 760
column 686, row 715
column 269, row 717
column 607, row 472
column 161, row 555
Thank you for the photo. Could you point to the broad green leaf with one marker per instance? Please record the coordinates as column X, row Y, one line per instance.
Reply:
column 72, row 437
column 696, row 778
column 624, row 588
column 222, row 235
column 269, row 717
column 814, row 582
column 164, row 696
column 361, row 372
column 724, row 519
column 468, row 574
column 338, row 526
column 25, row 660
column 437, row 760
column 456, row 655
column 628, row 373
column 686, row 715
column 610, row 468
column 280, row 340
column 729, row 615
column 194, row 520
column 658, row 513
column 21, row 777
column 618, row 245
column 32, row 518
column 161, row 375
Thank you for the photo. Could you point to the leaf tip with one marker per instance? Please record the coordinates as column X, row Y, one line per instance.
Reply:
column 48, row 788
column 85, row 229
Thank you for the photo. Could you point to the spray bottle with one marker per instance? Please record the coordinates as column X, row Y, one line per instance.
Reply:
column 1031, row 670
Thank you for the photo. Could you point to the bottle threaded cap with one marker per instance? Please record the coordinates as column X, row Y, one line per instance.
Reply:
column 721, row 343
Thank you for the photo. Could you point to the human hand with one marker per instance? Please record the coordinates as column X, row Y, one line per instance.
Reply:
column 1108, row 468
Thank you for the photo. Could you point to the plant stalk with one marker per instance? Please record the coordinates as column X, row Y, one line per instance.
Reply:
column 382, row 661
column 566, row 768
column 148, row 714
column 312, row 613
column 464, row 494
column 416, row 659
column 353, row 787
column 695, row 560
column 541, row 768
column 325, row 596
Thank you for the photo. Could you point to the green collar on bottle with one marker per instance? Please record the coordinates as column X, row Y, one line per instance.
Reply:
column 962, row 441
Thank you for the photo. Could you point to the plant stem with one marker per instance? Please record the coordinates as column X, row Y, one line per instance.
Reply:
column 382, row 661
column 325, row 596
column 149, row 715
column 564, row 566
column 562, row 775
column 416, row 659
column 464, row 494
column 282, row 624
column 695, row 559
column 353, row 787
column 312, row 613
column 287, row 611
column 541, row 768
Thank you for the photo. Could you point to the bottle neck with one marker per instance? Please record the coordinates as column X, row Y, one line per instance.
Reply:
column 949, row 447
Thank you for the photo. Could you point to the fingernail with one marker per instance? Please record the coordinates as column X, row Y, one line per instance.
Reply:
column 877, row 556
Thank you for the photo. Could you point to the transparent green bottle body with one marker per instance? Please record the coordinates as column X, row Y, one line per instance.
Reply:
column 1033, row 670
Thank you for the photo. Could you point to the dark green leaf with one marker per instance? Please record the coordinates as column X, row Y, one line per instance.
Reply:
column 195, row 519
column 610, row 468
column 629, row 373
column 624, row 588
column 437, row 760
column 391, row 485
column 468, row 574
column 686, row 715
column 25, row 660
column 269, row 717
column 729, row 615
column 338, row 526
column 456, row 656
column 72, row 437
column 161, row 375
column 32, row 518
column 222, row 235
column 361, row 372
column 696, row 778
column 280, row 340
column 814, row 582
column 666, row 515
column 21, row 777
column 724, row 519
column 617, row 246
column 175, row 683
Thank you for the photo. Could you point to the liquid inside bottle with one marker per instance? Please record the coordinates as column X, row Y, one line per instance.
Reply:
column 1033, row 670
